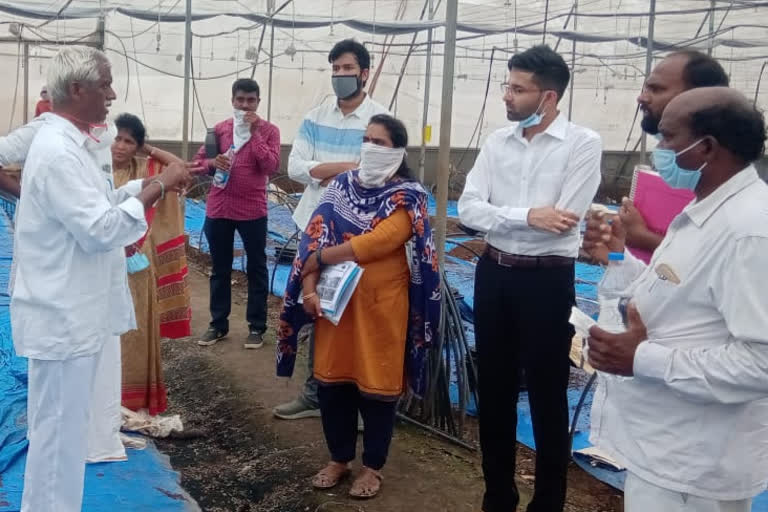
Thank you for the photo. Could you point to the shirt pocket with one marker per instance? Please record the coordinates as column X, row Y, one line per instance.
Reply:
column 655, row 298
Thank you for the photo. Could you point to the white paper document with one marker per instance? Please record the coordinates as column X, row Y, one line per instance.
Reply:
column 335, row 287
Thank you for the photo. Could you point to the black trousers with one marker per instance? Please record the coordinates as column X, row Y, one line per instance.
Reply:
column 521, row 323
column 339, row 404
column 221, row 238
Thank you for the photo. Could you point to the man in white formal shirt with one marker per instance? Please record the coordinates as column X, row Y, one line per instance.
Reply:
column 691, row 425
column 70, row 291
column 528, row 190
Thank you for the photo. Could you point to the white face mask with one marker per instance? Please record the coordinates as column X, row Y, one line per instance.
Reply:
column 239, row 116
column 101, row 136
column 378, row 164
column 241, row 129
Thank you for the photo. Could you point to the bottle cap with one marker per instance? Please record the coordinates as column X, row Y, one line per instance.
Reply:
column 615, row 256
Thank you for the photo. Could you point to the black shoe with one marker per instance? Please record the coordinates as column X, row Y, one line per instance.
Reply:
column 254, row 340
column 211, row 336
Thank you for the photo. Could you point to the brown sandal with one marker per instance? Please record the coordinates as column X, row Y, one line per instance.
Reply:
column 367, row 484
column 330, row 476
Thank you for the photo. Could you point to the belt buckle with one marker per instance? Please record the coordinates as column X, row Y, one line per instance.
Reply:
column 499, row 258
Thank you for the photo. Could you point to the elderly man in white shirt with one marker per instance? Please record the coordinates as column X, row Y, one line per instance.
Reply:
column 691, row 425
column 528, row 189
column 70, row 291
column 104, row 441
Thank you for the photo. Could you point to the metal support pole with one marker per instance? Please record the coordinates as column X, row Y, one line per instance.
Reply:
column 546, row 15
column 26, row 83
column 573, row 58
column 444, row 155
column 711, row 44
column 648, row 66
column 271, row 7
column 101, row 35
column 427, row 86
column 187, row 80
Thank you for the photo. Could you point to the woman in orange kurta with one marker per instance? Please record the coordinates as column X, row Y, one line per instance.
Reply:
column 361, row 363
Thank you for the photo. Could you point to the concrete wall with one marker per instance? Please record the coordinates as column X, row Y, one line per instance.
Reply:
column 617, row 167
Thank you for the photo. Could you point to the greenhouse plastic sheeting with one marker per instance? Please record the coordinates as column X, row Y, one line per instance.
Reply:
column 142, row 483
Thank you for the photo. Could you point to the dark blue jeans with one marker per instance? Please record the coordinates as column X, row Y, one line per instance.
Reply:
column 221, row 238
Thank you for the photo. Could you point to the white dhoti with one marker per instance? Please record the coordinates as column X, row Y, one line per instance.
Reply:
column 641, row 496
column 60, row 408
column 104, row 444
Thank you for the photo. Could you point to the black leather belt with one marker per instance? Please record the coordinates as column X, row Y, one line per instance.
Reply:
column 518, row 260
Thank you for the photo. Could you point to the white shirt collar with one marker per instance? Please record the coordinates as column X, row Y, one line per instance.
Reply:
column 358, row 111
column 557, row 129
column 77, row 135
column 700, row 211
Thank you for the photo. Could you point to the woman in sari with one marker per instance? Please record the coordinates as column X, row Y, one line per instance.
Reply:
column 157, row 273
column 368, row 216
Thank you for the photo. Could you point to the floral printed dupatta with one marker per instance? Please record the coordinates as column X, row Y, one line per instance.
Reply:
column 349, row 209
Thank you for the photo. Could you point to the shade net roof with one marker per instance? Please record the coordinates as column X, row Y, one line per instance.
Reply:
column 604, row 41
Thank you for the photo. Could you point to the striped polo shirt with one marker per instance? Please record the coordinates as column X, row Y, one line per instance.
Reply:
column 326, row 135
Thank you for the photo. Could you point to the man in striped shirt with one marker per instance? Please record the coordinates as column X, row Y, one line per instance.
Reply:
column 328, row 144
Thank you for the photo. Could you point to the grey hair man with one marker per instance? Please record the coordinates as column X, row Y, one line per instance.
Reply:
column 70, row 295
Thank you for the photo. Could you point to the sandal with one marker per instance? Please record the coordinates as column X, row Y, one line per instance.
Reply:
column 330, row 476
column 367, row 484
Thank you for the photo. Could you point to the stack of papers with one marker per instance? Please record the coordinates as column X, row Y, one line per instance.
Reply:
column 335, row 287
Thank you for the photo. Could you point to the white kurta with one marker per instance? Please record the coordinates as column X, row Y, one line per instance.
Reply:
column 105, row 420
column 70, row 297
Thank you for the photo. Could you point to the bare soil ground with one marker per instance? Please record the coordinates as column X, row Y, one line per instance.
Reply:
column 247, row 461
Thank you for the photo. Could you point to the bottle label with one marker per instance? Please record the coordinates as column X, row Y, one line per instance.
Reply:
column 221, row 178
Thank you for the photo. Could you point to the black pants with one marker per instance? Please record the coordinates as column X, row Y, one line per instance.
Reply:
column 339, row 405
column 521, row 323
column 221, row 238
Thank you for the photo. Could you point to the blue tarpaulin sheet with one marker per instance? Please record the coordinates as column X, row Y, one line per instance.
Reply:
column 461, row 275
column 145, row 482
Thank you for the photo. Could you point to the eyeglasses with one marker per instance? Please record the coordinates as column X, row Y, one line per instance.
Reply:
column 515, row 90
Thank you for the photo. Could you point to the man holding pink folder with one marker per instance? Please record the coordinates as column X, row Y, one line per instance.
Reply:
column 653, row 205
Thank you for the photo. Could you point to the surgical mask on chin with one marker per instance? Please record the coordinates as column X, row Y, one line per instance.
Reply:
column 346, row 86
column 665, row 163
column 533, row 119
column 378, row 164
column 100, row 136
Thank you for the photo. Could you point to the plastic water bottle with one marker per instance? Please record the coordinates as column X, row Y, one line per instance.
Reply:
column 221, row 178
column 609, row 295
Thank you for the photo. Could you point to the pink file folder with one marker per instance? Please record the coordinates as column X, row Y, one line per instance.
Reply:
column 658, row 203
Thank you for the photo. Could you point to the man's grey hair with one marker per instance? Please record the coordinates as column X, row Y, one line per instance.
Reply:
column 73, row 64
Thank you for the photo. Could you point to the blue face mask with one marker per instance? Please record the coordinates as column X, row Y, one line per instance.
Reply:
column 533, row 119
column 665, row 163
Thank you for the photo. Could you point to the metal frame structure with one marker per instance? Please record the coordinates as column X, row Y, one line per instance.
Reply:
column 95, row 39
